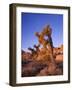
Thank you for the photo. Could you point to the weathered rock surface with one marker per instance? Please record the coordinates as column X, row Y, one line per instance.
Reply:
column 59, row 58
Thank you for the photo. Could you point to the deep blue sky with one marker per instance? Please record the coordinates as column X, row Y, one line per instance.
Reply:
column 34, row 22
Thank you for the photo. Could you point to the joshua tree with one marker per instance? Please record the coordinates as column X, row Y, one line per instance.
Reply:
column 47, row 32
column 47, row 44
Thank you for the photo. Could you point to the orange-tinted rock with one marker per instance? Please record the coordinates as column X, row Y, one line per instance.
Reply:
column 59, row 58
column 58, row 50
column 26, row 55
column 43, row 72
column 51, row 69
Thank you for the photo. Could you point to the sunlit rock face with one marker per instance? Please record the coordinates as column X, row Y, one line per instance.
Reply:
column 59, row 58
column 58, row 53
